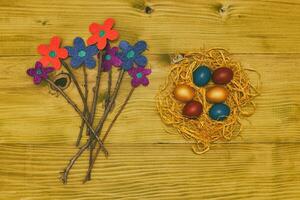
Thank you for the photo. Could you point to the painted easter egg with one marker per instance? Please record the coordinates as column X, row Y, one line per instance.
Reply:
column 216, row 94
column 184, row 93
column 192, row 109
column 222, row 75
column 201, row 75
column 219, row 112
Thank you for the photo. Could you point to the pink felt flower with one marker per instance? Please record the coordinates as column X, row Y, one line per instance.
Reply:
column 52, row 53
column 102, row 33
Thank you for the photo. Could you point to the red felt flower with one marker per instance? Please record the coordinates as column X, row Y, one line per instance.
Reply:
column 52, row 53
column 102, row 33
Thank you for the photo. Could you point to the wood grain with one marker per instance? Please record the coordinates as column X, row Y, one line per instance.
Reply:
column 38, row 130
column 259, row 26
column 160, row 171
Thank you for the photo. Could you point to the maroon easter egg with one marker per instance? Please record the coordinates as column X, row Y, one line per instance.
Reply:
column 192, row 109
column 222, row 75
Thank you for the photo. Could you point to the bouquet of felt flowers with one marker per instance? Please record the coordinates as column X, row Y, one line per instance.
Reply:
column 97, row 52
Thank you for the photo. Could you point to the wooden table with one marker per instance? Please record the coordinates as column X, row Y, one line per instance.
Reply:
column 38, row 130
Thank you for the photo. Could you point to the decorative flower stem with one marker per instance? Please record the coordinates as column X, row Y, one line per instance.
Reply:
column 109, row 83
column 76, row 84
column 106, row 112
column 113, row 98
column 95, row 98
column 66, row 172
column 71, row 102
column 88, row 175
column 85, row 111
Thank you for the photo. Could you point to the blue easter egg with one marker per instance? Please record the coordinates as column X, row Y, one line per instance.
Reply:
column 219, row 111
column 201, row 76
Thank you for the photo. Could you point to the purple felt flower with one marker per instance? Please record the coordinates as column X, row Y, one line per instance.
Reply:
column 139, row 76
column 39, row 72
column 110, row 58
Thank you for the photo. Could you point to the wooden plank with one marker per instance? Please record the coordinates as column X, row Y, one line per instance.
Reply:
column 29, row 115
column 256, row 26
column 146, row 171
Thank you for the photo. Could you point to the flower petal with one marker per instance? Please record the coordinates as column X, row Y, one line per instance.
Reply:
column 94, row 28
column 109, row 23
column 112, row 35
column 37, row 80
column 71, row 51
column 91, row 50
column 144, row 81
column 38, row 65
column 147, row 72
column 106, row 66
column 62, row 53
column 128, row 64
column 140, row 47
column 55, row 43
column 76, row 61
column 114, row 50
column 135, row 82
column 55, row 63
column 43, row 49
column 132, row 72
column 31, row 72
column 116, row 61
column 79, row 43
column 141, row 60
column 124, row 45
column 101, row 44
column 45, row 61
column 93, row 39
column 90, row 62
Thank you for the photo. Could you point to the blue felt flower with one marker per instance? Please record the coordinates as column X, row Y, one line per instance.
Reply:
column 132, row 54
column 80, row 54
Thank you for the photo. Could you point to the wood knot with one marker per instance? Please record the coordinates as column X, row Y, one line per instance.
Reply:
column 43, row 22
column 148, row 10
column 222, row 9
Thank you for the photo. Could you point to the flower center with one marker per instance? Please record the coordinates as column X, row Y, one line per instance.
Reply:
column 52, row 54
column 130, row 54
column 139, row 75
column 81, row 53
column 38, row 72
column 107, row 57
column 102, row 33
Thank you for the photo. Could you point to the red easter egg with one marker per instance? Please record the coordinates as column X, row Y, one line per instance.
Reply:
column 222, row 75
column 192, row 109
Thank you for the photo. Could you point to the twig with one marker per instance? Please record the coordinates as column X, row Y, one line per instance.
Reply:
column 95, row 99
column 71, row 102
column 109, row 83
column 75, row 82
column 66, row 172
column 88, row 175
column 85, row 111
column 107, row 111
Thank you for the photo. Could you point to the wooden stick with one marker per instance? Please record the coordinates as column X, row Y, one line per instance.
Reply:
column 95, row 99
column 107, row 111
column 88, row 175
column 75, row 82
column 71, row 102
column 85, row 110
column 109, row 83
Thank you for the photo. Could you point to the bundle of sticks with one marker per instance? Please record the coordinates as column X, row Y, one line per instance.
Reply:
column 99, row 54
